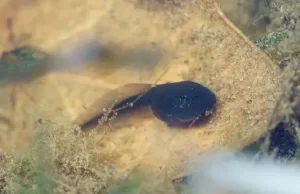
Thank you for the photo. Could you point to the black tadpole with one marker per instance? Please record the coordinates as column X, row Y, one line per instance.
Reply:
column 177, row 104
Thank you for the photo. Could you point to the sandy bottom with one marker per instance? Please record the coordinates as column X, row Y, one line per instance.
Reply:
column 196, row 43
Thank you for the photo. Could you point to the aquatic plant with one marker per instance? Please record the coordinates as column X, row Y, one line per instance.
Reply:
column 272, row 39
column 59, row 160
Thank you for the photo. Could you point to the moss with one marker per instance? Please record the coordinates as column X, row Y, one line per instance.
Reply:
column 272, row 39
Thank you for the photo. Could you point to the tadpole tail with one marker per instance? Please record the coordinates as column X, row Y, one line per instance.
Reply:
column 131, row 103
column 136, row 101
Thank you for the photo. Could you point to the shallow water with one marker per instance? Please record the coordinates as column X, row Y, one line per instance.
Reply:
column 81, row 70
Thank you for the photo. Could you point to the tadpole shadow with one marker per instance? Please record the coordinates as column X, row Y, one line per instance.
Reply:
column 99, row 60
column 24, row 63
